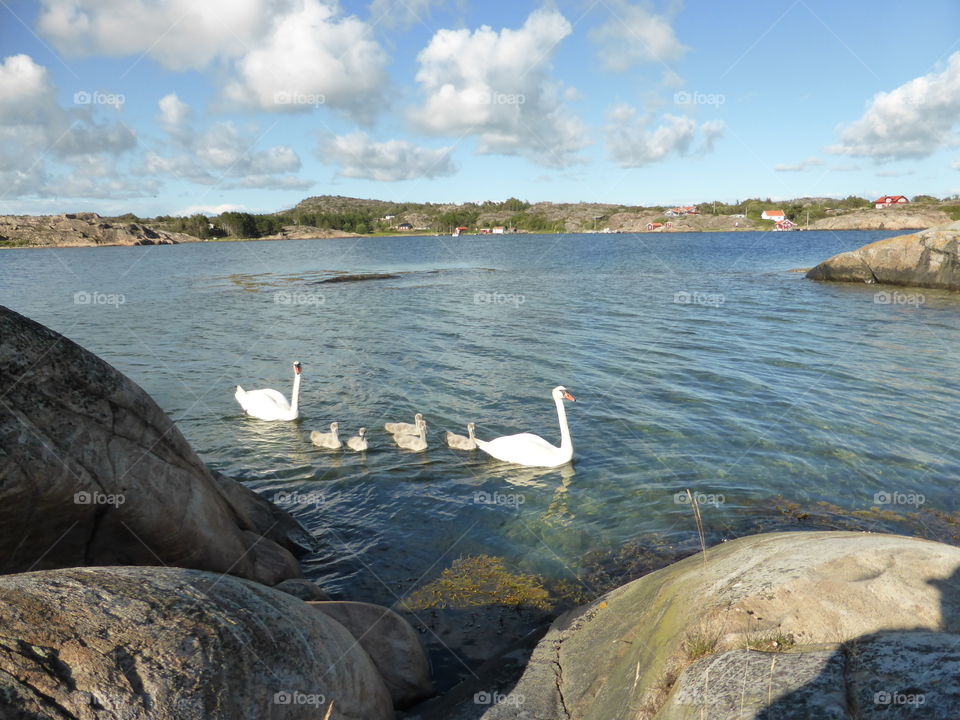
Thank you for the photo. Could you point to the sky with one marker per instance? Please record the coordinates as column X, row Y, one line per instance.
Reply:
column 190, row 106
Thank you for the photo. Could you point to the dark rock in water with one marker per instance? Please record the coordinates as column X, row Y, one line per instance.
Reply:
column 358, row 278
column 303, row 589
column 926, row 259
column 392, row 644
column 93, row 472
column 136, row 643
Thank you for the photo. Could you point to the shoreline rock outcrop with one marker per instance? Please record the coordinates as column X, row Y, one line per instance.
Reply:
column 842, row 614
column 929, row 259
column 95, row 473
column 80, row 230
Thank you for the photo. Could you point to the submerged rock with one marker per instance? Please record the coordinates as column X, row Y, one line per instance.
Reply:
column 926, row 259
column 358, row 278
column 843, row 614
column 95, row 473
column 171, row 644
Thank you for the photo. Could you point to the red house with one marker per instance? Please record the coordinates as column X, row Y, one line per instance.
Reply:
column 889, row 200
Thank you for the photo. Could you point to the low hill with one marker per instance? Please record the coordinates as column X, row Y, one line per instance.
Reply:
column 80, row 229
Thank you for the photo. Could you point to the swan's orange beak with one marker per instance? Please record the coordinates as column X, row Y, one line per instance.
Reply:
column 568, row 396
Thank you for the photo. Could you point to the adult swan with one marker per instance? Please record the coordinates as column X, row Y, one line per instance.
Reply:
column 532, row 450
column 269, row 404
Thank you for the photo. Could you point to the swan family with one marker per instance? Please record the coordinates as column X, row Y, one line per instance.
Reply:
column 524, row 449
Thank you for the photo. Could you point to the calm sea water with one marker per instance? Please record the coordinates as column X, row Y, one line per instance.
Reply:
column 697, row 362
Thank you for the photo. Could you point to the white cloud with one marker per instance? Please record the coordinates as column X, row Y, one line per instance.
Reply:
column 955, row 164
column 495, row 85
column 312, row 57
column 275, row 55
column 209, row 209
column 801, row 166
column 357, row 156
column 633, row 141
column 174, row 113
column 401, row 13
column 39, row 139
column 711, row 131
column 179, row 34
column 635, row 34
column 224, row 156
column 912, row 121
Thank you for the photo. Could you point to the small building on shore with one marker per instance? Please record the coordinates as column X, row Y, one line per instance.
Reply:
column 785, row 225
column 889, row 201
column 404, row 226
column 773, row 214
column 499, row 230
column 682, row 211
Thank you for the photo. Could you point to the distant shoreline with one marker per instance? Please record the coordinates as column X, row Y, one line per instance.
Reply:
column 345, row 236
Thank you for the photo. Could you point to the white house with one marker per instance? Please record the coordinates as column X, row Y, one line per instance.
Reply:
column 775, row 215
column 498, row 230
column 889, row 200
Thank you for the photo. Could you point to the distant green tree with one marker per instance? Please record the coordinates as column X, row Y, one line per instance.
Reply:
column 238, row 224
column 852, row 202
column 925, row 199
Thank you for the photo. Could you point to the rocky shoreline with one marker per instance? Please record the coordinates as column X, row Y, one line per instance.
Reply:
column 87, row 229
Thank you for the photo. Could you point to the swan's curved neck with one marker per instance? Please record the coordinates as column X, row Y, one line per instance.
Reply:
column 565, row 441
column 295, row 399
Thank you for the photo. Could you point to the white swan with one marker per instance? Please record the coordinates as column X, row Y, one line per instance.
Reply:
column 416, row 442
column 459, row 442
column 359, row 441
column 402, row 428
column 330, row 440
column 532, row 450
column 269, row 404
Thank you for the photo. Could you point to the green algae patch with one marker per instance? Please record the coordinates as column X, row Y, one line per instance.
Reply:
column 476, row 581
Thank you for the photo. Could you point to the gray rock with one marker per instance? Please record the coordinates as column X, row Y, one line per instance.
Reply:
column 926, row 259
column 95, row 473
column 392, row 644
column 303, row 589
column 905, row 674
column 741, row 684
column 618, row 657
column 170, row 644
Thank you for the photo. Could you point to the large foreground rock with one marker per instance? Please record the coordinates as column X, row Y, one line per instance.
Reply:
column 862, row 619
column 171, row 644
column 93, row 472
column 926, row 259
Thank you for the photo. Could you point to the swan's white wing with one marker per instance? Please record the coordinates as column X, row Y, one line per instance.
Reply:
column 524, row 449
column 267, row 398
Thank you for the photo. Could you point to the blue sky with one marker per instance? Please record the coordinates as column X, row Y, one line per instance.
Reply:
column 178, row 106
